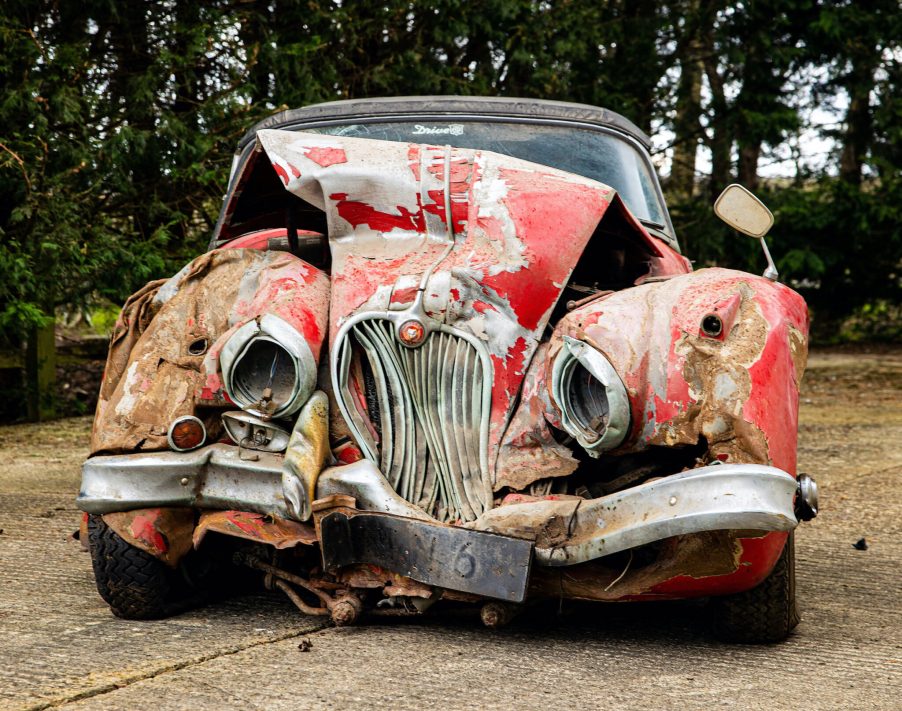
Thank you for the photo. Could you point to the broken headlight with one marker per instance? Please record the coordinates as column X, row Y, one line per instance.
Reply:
column 252, row 432
column 594, row 406
column 268, row 368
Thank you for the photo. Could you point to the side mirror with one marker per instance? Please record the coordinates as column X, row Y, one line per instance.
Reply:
column 742, row 211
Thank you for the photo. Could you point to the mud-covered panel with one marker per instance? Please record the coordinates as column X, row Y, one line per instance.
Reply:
column 709, row 559
column 164, row 355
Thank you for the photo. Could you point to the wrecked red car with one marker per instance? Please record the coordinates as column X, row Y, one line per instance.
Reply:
column 447, row 349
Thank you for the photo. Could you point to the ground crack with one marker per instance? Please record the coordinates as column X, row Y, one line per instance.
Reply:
column 128, row 680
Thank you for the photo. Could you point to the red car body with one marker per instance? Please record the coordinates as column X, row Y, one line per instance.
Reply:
column 437, row 371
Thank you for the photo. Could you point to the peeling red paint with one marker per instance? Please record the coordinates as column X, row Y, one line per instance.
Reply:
column 143, row 528
column 325, row 157
column 280, row 171
column 357, row 213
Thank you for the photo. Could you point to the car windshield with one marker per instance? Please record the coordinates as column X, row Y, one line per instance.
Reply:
column 593, row 154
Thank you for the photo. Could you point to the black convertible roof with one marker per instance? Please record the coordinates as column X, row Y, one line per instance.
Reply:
column 447, row 106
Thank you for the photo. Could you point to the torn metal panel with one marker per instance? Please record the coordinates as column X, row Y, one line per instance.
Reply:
column 165, row 533
column 277, row 532
column 528, row 452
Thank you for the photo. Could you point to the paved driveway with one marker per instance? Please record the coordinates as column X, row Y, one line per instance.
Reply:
column 60, row 646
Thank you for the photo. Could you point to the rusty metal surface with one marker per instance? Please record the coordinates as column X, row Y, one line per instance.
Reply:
column 432, row 553
column 273, row 531
column 392, row 584
column 164, row 352
column 163, row 532
column 342, row 606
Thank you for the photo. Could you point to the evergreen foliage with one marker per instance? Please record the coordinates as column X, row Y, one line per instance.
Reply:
column 118, row 119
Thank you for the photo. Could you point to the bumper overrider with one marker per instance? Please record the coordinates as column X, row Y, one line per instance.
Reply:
column 384, row 529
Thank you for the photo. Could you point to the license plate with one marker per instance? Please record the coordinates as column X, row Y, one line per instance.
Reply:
column 444, row 556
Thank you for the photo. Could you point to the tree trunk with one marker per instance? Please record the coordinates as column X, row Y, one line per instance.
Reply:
column 747, row 173
column 40, row 373
column 856, row 140
column 687, row 128
column 720, row 141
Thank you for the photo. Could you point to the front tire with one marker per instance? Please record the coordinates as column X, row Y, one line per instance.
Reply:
column 135, row 584
column 766, row 613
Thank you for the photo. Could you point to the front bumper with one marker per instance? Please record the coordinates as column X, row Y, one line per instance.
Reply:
column 747, row 497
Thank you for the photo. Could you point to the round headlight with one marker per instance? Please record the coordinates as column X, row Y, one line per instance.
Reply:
column 268, row 368
column 593, row 401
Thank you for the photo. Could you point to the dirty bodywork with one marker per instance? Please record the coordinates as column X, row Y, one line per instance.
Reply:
column 451, row 374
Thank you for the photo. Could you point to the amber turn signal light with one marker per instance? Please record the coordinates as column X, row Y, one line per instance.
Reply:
column 185, row 433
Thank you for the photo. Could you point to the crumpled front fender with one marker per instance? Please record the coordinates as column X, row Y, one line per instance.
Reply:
column 716, row 355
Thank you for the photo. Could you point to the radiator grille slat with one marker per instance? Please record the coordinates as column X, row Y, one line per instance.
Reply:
column 430, row 438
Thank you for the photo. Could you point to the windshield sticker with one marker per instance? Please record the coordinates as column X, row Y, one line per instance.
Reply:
column 454, row 129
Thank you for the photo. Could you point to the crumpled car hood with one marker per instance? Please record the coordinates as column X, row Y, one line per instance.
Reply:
column 500, row 237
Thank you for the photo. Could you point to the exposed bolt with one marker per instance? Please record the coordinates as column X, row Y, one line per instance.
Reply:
column 673, row 500
column 346, row 610
column 184, row 481
column 498, row 614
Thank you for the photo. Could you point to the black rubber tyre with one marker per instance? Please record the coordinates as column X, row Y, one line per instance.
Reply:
column 766, row 613
column 132, row 582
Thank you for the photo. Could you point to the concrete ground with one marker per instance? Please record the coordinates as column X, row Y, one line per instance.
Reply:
column 61, row 647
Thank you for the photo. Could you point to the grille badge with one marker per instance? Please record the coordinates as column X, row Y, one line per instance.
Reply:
column 412, row 333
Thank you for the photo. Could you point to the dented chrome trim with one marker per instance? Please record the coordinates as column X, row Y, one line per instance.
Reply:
column 271, row 328
column 747, row 497
column 719, row 497
column 417, row 412
column 215, row 477
column 618, row 421
column 369, row 487
column 218, row 477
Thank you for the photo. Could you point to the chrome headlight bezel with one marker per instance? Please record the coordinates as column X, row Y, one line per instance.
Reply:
column 234, row 361
column 577, row 357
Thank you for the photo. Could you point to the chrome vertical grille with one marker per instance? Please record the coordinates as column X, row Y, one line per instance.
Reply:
column 421, row 413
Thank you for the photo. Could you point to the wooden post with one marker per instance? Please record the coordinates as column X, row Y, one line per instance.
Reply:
column 40, row 373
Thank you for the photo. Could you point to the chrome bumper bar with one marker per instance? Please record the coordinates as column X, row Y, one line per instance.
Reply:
column 728, row 496
column 213, row 477
column 748, row 497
